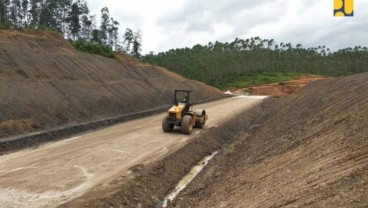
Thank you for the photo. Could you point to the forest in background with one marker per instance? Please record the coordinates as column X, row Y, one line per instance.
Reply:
column 225, row 65
column 71, row 18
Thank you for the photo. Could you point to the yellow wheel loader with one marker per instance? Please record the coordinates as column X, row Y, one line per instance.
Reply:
column 182, row 114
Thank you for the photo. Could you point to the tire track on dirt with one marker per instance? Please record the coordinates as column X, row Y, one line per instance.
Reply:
column 118, row 149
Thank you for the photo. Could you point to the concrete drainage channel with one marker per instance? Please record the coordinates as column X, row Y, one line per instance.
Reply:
column 184, row 182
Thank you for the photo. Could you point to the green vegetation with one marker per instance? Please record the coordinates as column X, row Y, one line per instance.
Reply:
column 228, row 64
column 253, row 79
column 94, row 48
column 4, row 26
column 71, row 18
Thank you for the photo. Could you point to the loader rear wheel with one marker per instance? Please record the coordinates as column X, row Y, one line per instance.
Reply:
column 186, row 125
column 166, row 126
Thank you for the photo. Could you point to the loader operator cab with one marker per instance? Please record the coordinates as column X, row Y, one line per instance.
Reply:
column 182, row 98
column 185, row 99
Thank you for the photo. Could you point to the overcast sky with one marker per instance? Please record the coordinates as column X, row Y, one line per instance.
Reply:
column 168, row 24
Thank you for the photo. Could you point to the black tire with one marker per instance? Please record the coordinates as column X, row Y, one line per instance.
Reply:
column 166, row 126
column 200, row 125
column 186, row 125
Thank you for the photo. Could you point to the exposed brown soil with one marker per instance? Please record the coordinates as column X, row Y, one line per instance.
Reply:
column 20, row 125
column 46, row 83
column 280, row 89
column 306, row 149
column 309, row 149
column 58, row 172
column 145, row 185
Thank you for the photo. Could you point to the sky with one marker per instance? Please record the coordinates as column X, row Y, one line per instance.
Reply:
column 170, row 24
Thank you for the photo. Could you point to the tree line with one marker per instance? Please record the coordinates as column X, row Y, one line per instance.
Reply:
column 220, row 63
column 71, row 18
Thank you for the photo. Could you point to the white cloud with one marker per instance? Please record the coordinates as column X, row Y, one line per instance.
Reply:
column 167, row 24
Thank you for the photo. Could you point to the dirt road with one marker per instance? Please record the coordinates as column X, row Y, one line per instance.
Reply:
column 58, row 172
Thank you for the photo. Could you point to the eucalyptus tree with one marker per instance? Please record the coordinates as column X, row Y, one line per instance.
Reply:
column 105, row 22
column 3, row 11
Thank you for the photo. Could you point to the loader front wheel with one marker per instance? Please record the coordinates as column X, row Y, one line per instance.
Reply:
column 166, row 126
column 186, row 125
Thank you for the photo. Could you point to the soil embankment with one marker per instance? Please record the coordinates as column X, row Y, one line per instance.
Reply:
column 309, row 149
column 45, row 83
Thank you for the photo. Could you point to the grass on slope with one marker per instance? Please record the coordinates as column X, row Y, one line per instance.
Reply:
column 254, row 79
column 93, row 48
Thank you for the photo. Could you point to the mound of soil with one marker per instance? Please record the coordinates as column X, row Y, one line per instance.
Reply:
column 309, row 149
column 280, row 89
column 46, row 83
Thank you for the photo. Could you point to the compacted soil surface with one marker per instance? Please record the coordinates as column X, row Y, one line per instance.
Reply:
column 89, row 165
column 309, row 149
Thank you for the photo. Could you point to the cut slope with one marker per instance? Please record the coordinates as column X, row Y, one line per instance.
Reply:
column 309, row 149
column 45, row 82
